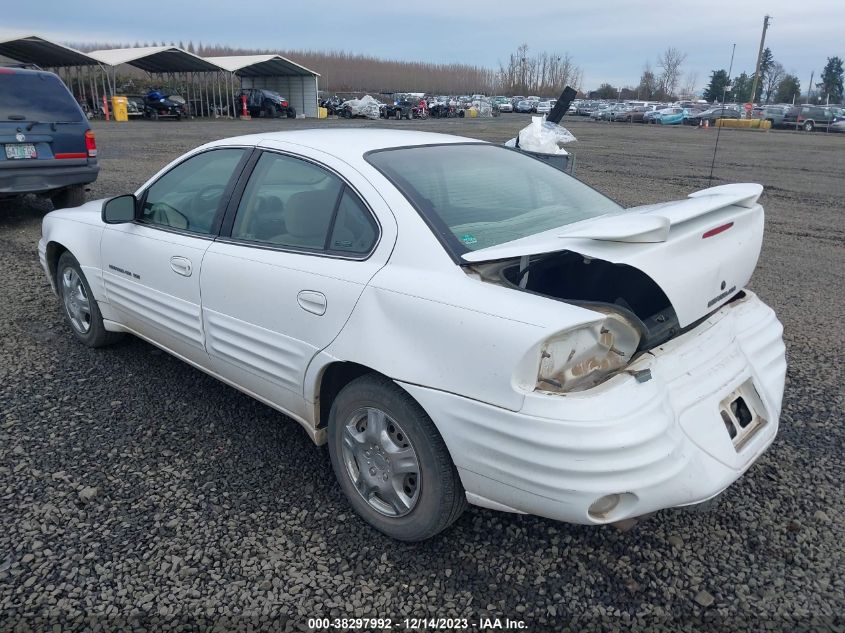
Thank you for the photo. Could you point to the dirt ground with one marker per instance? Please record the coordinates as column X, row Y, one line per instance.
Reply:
column 211, row 507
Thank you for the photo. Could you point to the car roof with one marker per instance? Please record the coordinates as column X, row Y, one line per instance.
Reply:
column 347, row 143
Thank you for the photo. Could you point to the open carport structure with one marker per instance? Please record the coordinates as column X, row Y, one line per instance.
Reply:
column 203, row 84
column 274, row 72
column 82, row 74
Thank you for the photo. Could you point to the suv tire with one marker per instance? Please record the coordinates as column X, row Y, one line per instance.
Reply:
column 69, row 197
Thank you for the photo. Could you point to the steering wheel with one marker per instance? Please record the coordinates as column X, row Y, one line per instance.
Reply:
column 163, row 213
column 204, row 205
column 204, row 197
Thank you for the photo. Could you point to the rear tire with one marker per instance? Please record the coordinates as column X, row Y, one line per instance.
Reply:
column 370, row 420
column 808, row 126
column 79, row 305
column 291, row 113
column 69, row 197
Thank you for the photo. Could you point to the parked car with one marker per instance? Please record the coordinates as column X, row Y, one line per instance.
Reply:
column 602, row 112
column 586, row 108
column 48, row 147
column 544, row 107
column 671, row 116
column 634, row 115
column 447, row 344
column 524, row 106
column 712, row 115
column 774, row 114
column 502, row 104
column 653, row 116
column 808, row 117
column 265, row 103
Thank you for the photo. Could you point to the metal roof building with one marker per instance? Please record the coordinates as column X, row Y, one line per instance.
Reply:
column 155, row 59
column 31, row 49
column 274, row 72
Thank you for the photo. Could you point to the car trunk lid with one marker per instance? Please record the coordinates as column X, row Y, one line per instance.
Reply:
column 700, row 251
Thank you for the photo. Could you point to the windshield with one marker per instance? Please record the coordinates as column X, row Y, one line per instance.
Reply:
column 36, row 97
column 476, row 195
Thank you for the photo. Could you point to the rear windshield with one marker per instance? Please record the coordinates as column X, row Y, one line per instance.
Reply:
column 36, row 97
column 478, row 195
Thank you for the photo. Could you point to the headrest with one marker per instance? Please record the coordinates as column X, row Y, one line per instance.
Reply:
column 309, row 212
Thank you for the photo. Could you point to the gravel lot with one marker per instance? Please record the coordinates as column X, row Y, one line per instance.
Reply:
column 138, row 491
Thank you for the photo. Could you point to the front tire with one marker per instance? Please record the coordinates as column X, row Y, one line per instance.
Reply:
column 391, row 462
column 79, row 305
column 808, row 126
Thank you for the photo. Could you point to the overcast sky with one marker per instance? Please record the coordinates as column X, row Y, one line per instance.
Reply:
column 610, row 39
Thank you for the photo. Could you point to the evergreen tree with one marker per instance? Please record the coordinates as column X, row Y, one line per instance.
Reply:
column 718, row 81
column 647, row 88
column 741, row 91
column 830, row 86
column 788, row 89
column 605, row 91
column 766, row 62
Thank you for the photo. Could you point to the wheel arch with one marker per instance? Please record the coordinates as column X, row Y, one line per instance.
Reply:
column 53, row 254
column 332, row 379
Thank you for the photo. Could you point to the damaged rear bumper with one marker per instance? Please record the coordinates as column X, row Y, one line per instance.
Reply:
column 647, row 444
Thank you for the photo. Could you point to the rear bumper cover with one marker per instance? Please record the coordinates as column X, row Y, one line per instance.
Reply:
column 19, row 179
column 658, row 444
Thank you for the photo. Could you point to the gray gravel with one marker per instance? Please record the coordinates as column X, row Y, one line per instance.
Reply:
column 138, row 492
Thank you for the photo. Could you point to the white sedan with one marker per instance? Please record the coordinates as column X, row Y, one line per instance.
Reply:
column 459, row 321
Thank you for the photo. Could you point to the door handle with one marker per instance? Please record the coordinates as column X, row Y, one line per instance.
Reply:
column 312, row 301
column 181, row 265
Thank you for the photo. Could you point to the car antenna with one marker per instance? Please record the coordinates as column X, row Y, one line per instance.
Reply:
column 719, row 127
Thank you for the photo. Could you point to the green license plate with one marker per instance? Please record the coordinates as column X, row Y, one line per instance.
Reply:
column 16, row 151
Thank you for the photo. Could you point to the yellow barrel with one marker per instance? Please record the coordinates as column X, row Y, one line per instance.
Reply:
column 322, row 113
column 119, row 108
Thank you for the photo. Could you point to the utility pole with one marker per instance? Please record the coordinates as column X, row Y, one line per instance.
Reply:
column 810, row 86
column 759, row 58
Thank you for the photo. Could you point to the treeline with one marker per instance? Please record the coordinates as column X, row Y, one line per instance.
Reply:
column 348, row 72
column 541, row 73
column 776, row 85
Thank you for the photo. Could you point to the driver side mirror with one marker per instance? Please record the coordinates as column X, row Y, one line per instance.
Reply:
column 120, row 210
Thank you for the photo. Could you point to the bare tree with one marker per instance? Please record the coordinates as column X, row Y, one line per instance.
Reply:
column 771, row 80
column 670, row 63
column 690, row 84
column 541, row 74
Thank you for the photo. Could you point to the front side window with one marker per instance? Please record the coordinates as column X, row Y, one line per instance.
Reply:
column 188, row 197
column 478, row 195
column 293, row 203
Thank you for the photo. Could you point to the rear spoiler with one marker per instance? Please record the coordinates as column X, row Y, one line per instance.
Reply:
column 645, row 224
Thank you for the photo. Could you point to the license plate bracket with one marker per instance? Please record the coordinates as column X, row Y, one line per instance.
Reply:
column 21, row 151
column 742, row 411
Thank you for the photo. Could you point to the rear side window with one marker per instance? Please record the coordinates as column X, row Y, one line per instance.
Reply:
column 354, row 230
column 36, row 97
